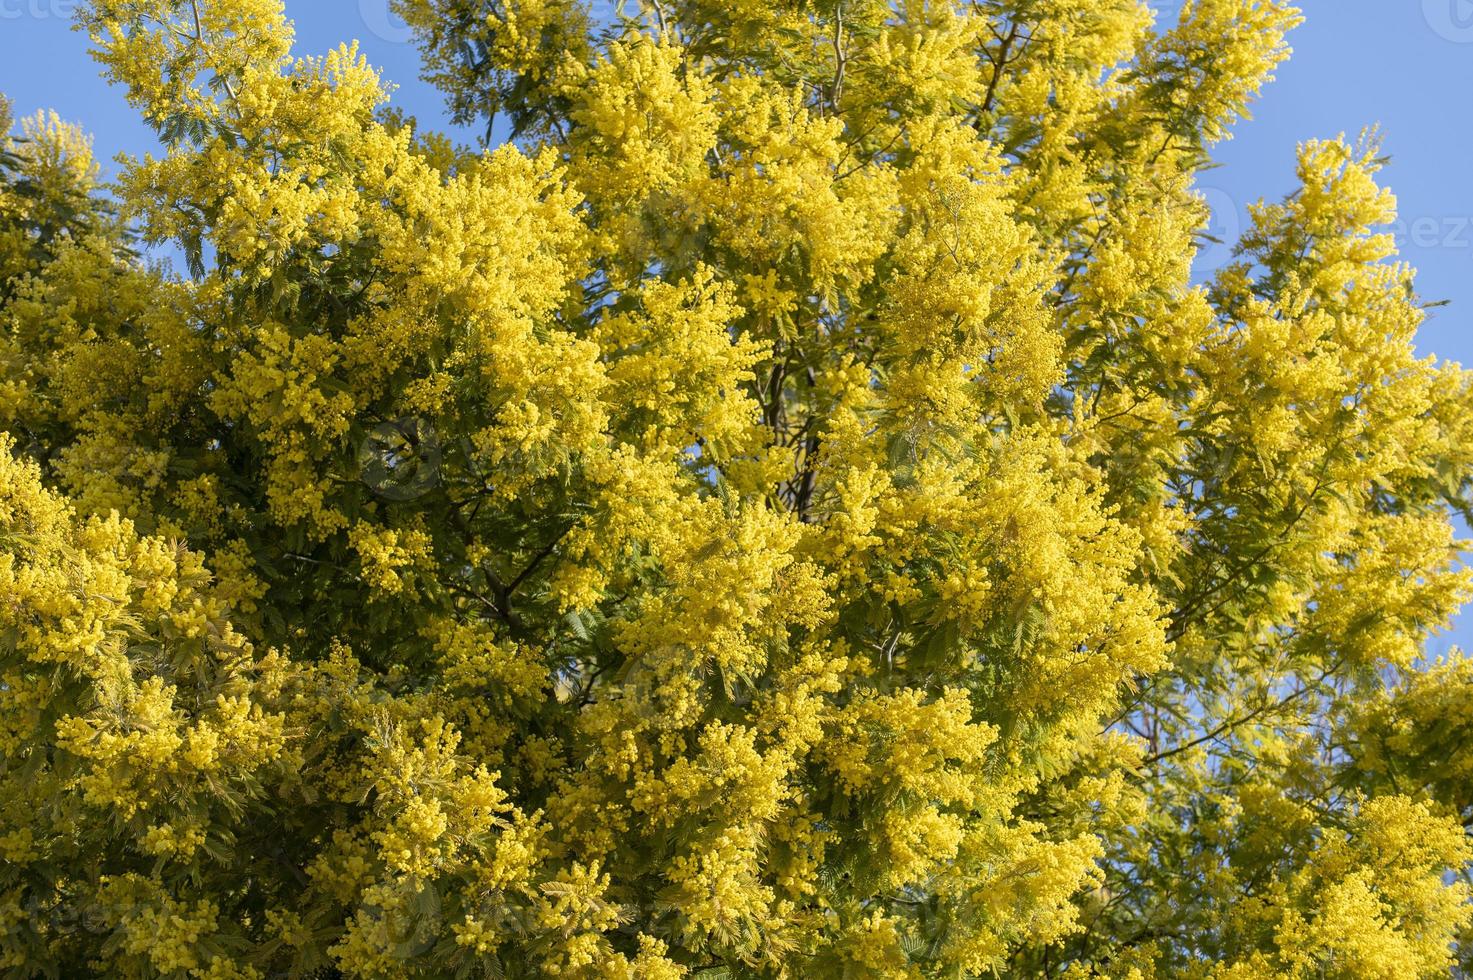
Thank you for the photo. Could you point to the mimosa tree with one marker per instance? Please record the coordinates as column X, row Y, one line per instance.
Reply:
column 789, row 511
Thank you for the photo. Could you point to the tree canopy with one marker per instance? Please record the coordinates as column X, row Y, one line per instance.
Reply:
column 786, row 510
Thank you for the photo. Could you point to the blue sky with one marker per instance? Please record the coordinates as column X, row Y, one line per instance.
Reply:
column 1406, row 65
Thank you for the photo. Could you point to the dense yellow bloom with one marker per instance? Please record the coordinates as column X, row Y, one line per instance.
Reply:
column 788, row 514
